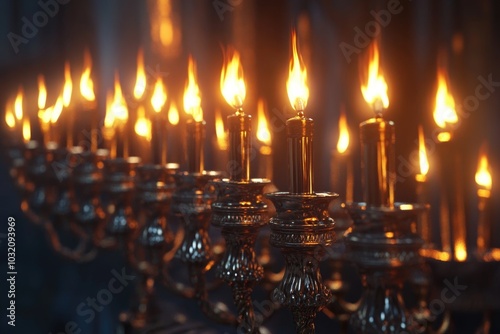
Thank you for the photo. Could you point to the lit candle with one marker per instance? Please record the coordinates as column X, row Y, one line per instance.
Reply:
column 452, row 205
column 44, row 115
column 342, row 168
column 299, row 129
column 115, row 121
column 142, row 128
column 173, row 134
column 421, row 178
column 377, row 141
column 239, row 124
column 158, row 136
column 88, row 106
column 484, row 183
column 10, row 121
column 195, row 126
column 264, row 137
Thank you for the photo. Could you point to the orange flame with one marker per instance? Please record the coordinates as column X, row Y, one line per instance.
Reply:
column 173, row 114
column 140, row 82
column 343, row 143
column 232, row 83
column 159, row 95
column 375, row 90
column 86, row 83
column 18, row 104
column 444, row 111
column 68, row 86
column 116, row 107
column 422, row 154
column 42, row 92
column 296, row 85
column 26, row 130
column 263, row 133
column 220, row 132
column 192, row 95
column 460, row 251
column 483, row 176
column 142, row 124
column 10, row 119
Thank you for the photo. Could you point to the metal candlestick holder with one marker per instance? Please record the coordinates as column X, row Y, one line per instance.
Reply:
column 155, row 184
column 240, row 212
column 192, row 202
column 384, row 245
column 301, row 229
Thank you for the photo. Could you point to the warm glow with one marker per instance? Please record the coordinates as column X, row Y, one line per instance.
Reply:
column 343, row 143
column 18, row 105
column 263, row 133
column 483, row 175
column 444, row 111
column 26, row 130
column 10, row 119
column 375, row 90
column 422, row 152
column 460, row 251
column 142, row 124
column 140, row 82
column 159, row 96
column 56, row 110
column 42, row 92
column 232, row 83
column 173, row 114
column 192, row 95
column 444, row 137
column 86, row 83
column 296, row 85
column 220, row 132
column 68, row 86
column 116, row 107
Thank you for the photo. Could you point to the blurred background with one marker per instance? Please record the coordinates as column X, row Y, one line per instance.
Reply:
column 414, row 40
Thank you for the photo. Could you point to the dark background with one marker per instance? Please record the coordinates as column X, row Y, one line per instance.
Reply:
column 465, row 33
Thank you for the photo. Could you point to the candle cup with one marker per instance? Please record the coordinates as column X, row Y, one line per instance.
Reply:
column 194, row 142
column 378, row 162
column 300, row 153
column 239, row 128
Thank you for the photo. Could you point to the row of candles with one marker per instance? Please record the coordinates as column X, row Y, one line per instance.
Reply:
column 377, row 137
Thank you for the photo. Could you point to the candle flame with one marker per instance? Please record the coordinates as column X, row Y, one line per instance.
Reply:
column 343, row 143
column 296, row 85
column 116, row 107
column 26, row 130
column 220, row 132
column 68, row 85
column 192, row 95
column 142, row 124
column 460, row 251
column 263, row 133
column 159, row 96
column 18, row 104
column 444, row 111
column 173, row 114
column 375, row 90
column 422, row 153
column 140, row 82
column 232, row 83
column 42, row 92
column 57, row 110
column 483, row 176
column 86, row 83
column 10, row 119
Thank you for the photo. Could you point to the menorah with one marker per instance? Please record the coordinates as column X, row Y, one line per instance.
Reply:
column 155, row 212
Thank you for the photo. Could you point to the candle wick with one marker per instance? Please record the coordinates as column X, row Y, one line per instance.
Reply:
column 378, row 107
column 299, row 106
